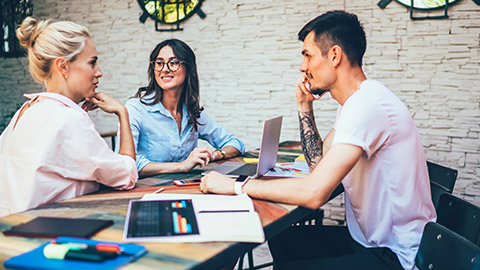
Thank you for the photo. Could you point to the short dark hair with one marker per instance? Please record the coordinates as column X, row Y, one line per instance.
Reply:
column 338, row 28
column 191, row 92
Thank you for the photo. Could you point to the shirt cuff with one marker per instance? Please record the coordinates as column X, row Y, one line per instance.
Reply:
column 141, row 162
column 237, row 144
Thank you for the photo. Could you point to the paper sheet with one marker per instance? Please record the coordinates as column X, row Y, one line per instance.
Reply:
column 288, row 170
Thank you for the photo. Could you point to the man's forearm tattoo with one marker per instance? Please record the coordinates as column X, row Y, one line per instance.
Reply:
column 311, row 141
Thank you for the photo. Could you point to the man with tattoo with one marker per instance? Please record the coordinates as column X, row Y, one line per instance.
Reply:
column 374, row 150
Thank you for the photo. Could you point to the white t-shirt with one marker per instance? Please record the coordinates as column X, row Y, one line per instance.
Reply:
column 387, row 193
column 54, row 153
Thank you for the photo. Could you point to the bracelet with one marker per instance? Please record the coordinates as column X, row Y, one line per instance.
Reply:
column 221, row 152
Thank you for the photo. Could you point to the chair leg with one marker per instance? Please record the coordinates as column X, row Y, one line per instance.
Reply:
column 251, row 263
column 240, row 262
column 250, row 259
column 263, row 266
column 113, row 143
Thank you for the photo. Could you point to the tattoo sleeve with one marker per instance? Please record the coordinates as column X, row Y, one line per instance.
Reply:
column 311, row 142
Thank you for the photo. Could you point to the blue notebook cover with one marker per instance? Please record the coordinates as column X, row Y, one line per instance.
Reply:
column 35, row 259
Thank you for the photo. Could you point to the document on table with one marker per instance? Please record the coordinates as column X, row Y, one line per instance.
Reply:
column 196, row 218
column 288, row 170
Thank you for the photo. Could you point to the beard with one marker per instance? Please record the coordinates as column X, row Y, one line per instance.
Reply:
column 318, row 91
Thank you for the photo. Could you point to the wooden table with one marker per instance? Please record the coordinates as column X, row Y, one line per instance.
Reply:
column 112, row 204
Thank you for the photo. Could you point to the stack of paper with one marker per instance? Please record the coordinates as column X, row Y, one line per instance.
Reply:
column 288, row 170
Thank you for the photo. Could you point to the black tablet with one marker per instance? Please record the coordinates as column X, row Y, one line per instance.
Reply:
column 50, row 227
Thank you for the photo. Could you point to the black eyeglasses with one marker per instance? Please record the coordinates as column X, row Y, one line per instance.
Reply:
column 172, row 65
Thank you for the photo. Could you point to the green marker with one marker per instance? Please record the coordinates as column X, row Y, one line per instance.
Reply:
column 75, row 252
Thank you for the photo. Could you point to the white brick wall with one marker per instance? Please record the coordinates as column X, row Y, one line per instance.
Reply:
column 248, row 60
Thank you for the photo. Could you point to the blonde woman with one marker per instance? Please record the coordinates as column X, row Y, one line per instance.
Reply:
column 50, row 150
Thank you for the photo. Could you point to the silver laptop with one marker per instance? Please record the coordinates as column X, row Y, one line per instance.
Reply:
column 267, row 157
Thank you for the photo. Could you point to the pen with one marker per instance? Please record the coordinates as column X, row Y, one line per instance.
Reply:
column 292, row 169
column 159, row 190
column 223, row 211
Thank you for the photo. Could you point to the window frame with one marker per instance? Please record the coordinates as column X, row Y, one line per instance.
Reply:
column 12, row 13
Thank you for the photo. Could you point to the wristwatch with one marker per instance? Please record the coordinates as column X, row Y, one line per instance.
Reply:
column 240, row 182
column 221, row 152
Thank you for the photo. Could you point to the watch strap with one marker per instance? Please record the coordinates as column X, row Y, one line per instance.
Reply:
column 239, row 183
column 221, row 152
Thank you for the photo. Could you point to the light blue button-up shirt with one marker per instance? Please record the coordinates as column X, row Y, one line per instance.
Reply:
column 156, row 137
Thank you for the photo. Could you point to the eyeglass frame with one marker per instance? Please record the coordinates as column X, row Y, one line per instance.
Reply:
column 167, row 63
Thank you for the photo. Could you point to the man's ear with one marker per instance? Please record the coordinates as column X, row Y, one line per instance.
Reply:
column 61, row 65
column 336, row 54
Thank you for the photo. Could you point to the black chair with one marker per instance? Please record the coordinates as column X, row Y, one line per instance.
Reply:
column 314, row 219
column 459, row 216
column 443, row 249
column 442, row 180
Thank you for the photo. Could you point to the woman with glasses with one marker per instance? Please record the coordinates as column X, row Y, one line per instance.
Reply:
column 50, row 151
column 166, row 118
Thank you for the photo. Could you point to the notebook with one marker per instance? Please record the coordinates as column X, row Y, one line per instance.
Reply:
column 179, row 218
column 266, row 158
column 49, row 227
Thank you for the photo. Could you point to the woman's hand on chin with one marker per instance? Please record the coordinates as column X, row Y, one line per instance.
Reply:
column 88, row 105
column 103, row 101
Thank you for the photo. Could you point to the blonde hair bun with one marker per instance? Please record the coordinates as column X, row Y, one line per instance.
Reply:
column 28, row 32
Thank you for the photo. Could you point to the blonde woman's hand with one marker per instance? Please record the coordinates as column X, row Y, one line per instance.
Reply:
column 103, row 101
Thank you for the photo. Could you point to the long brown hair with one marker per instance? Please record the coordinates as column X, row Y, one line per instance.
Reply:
column 191, row 91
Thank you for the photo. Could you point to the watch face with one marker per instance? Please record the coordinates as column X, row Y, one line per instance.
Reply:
column 425, row 4
column 241, row 178
column 170, row 11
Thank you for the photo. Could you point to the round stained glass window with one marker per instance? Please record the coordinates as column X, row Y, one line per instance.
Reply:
column 170, row 11
column 425, row 4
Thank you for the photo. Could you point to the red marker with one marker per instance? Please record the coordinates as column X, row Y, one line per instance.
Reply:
column 103, row 247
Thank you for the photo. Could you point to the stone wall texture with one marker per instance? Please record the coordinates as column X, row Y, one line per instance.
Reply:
column 248, row 61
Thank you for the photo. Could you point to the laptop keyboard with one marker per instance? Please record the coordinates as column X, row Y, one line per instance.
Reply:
column 249, row 169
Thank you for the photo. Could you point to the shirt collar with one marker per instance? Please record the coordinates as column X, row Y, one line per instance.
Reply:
column 160, row 108
column 58, row 97
column 155, row 107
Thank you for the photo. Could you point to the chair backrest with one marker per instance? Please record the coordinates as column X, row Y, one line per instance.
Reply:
column 459, row 216
column 437, row 191
column 441, row 248
column 442, row 180
column 442, row 175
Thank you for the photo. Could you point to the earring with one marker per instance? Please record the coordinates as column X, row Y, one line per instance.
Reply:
column 66, row 76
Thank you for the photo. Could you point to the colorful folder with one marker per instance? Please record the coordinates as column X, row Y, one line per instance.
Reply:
column 35, row 259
